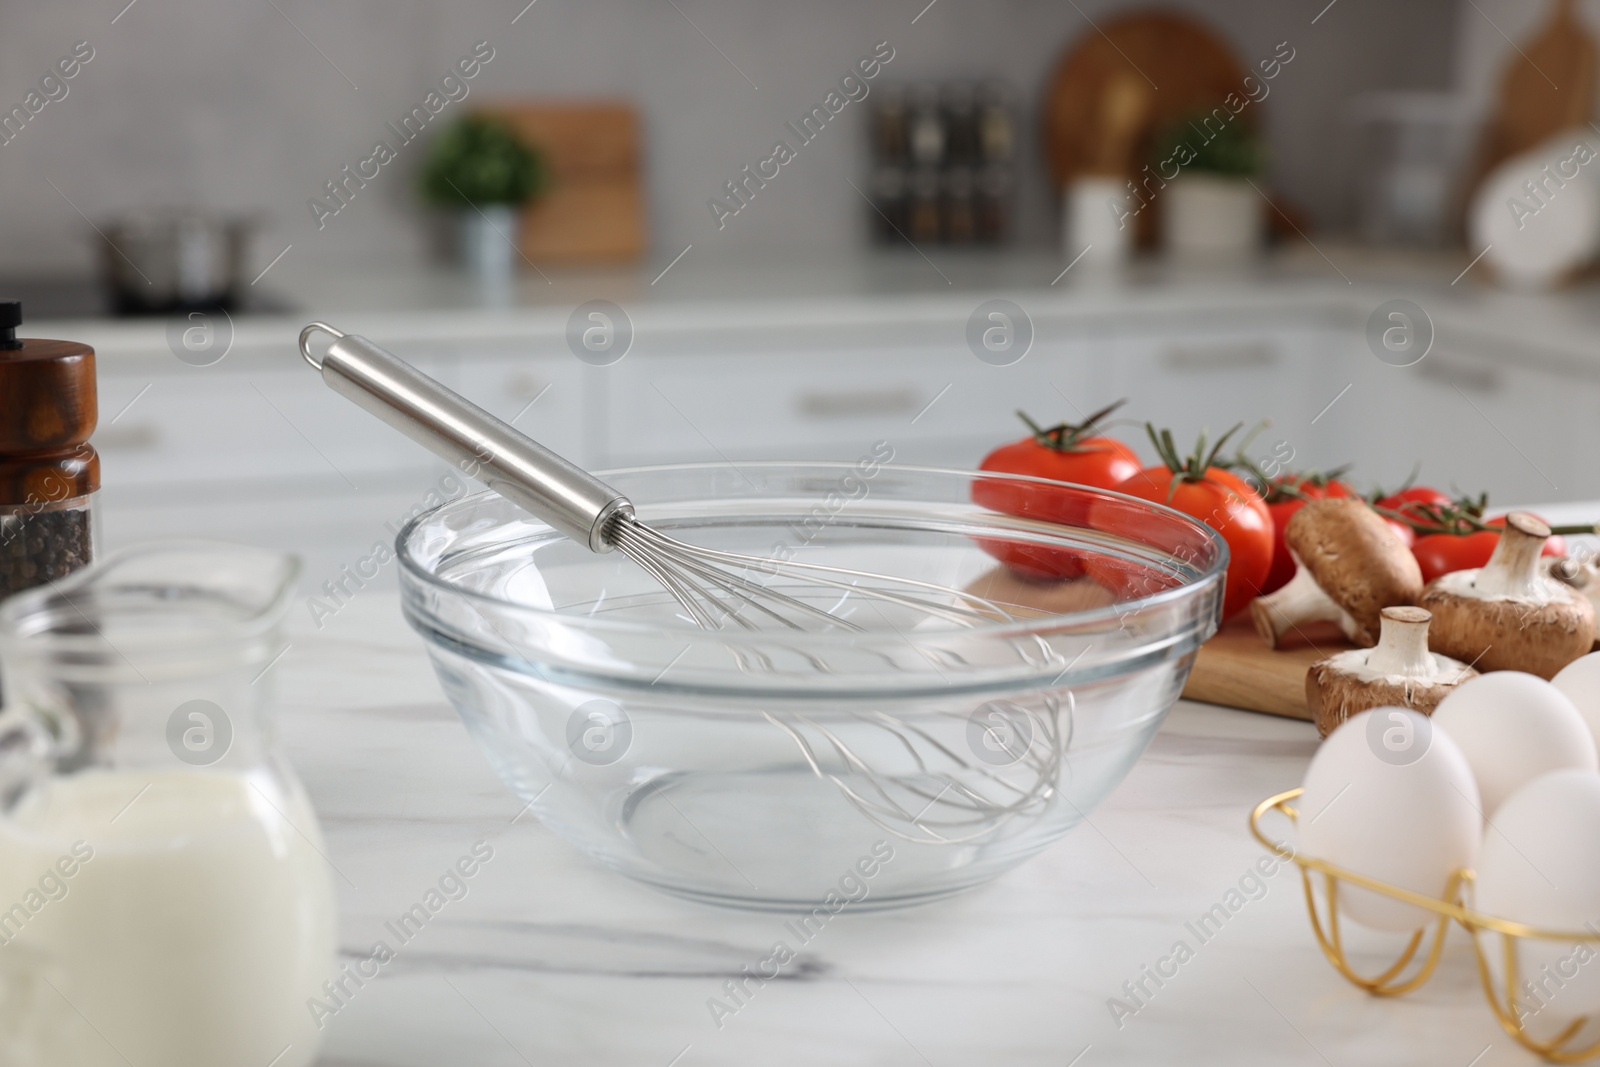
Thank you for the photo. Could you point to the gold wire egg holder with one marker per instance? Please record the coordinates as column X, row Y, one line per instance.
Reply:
column 1395, row 981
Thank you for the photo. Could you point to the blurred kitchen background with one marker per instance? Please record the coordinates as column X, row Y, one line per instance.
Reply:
column 847, row 299
column 228, row 106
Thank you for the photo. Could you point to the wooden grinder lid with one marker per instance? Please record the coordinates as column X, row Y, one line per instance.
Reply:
column 48, row 409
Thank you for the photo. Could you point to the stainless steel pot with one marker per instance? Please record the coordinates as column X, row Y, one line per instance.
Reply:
column 162, row 261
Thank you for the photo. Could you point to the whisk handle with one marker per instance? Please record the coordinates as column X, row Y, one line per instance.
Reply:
column 511, row 463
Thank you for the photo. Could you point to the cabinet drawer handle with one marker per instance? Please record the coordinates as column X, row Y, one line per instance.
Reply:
column 136, row 437
column 1468, row 379
column 855, row 405
column 1220, row 357
column 525, row 386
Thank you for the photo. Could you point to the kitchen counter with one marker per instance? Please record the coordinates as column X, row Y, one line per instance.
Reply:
column 549, row 959
column 897, row 292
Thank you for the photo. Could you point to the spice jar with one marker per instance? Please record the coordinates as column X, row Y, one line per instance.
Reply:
column 48, row 470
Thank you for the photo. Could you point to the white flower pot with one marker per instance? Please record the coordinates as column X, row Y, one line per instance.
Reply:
column 1212, row 217
column 1098, row 225
column 489, row 242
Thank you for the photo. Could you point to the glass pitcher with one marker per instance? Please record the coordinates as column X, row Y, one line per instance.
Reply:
column 165, row 896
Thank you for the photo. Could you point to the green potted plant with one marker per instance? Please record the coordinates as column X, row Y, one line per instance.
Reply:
column 1211, row 210
column 480, row 170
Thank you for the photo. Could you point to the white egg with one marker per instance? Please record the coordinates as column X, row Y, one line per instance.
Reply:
column 1513, row 728
column 1389, row 797
column 1539, row 866
column 1580, row 681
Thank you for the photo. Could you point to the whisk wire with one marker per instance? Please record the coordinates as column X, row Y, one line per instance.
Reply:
column 963, row 814
column 962, row 801
column 928, row 805
column 629, row 532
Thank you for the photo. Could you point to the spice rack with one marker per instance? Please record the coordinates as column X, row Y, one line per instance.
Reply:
column 1411, row 970
column 943, row 163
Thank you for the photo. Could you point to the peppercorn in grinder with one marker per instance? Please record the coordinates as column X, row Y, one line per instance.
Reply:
column 48, row 470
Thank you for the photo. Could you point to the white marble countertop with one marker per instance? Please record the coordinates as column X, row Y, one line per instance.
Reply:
column 896, row 295
column 550, row 959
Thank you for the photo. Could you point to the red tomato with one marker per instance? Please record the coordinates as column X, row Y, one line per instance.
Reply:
column 1226, row 503
column 1443, row 553
column 1287, row 495
column 1414, row 494
column 1408, row 501
column 1555, row 544
column 1407, row 535
column 1064, row 453
column 1099, row 462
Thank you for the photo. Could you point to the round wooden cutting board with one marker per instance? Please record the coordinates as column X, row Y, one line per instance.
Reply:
column 1118, row 88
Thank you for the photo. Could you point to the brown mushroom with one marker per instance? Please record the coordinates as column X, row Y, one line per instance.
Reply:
column 1581, row 574
column 1510, row 615
column 1351, row 565
column 1400, row 672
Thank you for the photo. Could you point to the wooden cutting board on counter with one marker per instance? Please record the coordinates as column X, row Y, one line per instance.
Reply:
column 1237, row 670
column 1548, row 87
column 593, row 211
column 1121, row 84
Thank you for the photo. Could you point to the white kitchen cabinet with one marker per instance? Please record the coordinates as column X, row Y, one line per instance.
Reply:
column 553, row 399
column 1195, row 380
column 1582, row 478
column 934, row 405
column 1479, row 414
column 165, row 424
column 1474, row 415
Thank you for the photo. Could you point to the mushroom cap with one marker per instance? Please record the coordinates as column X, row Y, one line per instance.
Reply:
column 1400, row 672
column 1507, row 634
column 1355, row 557
column 1334, row 692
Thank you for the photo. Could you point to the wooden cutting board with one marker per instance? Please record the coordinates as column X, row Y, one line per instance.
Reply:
column 594, row 209
column 1548, row 87
column 1116, row 90
column 1237, row 670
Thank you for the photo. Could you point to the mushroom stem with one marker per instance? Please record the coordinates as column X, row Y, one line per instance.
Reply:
column 1507, row 615
column 1299, row 601
column 1400, row 672
column 1402, row 650
column 1513, row 568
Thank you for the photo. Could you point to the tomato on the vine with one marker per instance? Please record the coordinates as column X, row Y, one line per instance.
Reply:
column 1442, row 553
column 1405, row 499
column 1220, row 499
column 1554, row 545
column 1449, row 534
column 1287, row 494
column 1412, row 502
column 1068, row 452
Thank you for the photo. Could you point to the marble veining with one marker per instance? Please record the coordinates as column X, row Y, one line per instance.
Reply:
column 550, row 959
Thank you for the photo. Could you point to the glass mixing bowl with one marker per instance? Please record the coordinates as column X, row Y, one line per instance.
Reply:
column 896, row 761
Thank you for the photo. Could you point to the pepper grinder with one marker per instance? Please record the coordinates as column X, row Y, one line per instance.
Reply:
column 49, row 472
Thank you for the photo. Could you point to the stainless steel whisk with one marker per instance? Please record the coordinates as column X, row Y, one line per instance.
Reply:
column 715, row 588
